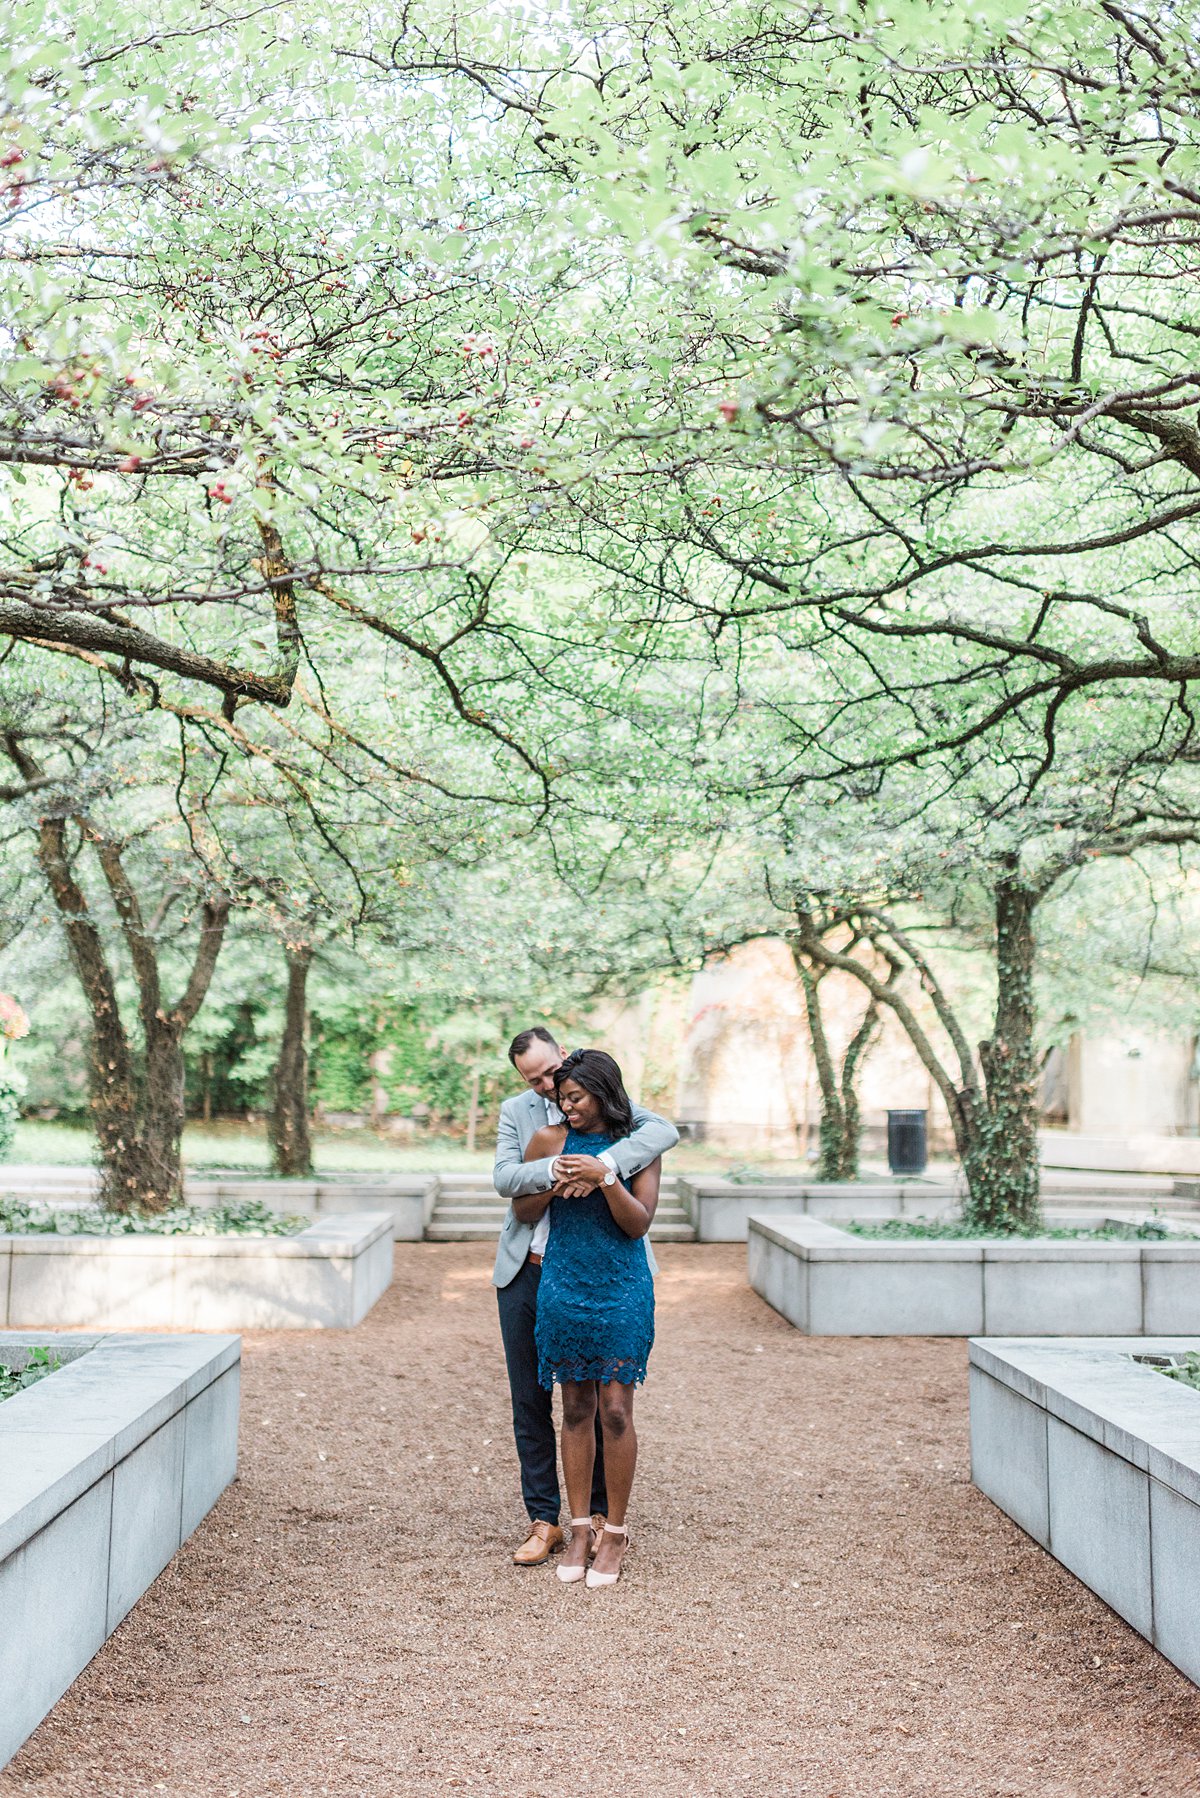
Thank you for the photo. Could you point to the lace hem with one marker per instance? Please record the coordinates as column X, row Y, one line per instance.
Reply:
column 625, row 1372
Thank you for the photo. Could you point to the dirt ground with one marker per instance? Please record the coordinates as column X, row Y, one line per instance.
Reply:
column 817, row 1601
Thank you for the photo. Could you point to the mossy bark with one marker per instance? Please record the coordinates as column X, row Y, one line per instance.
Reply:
column 135, row 1093
column 841, row 1119
column 288, row 1126
column 1001, row 1163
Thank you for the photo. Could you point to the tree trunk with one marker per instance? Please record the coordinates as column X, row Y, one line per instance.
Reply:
column 291, row 1140
column 473, row 1107
column 994, row 1122
column 141, row 1163
column 833, row 1119
column 136, row 1101
column 855, row 1054
column 1002, row 1165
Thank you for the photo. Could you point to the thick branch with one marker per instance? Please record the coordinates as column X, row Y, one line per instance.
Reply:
column 50, row 628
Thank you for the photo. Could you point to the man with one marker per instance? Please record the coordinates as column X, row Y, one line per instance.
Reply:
column 535, row 1055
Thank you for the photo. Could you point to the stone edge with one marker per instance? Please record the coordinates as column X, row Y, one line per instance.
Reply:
column 1091, row 1384
column 163, row 1374
column 337, row 1235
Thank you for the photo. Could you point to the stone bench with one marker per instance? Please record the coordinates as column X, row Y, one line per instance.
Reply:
column 106, row 1468
column 326, row 1277
column 1098, row 1459
column 831, row 1283
column 720, row 1210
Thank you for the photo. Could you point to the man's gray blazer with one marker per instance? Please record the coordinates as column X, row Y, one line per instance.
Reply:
column 513, row 1177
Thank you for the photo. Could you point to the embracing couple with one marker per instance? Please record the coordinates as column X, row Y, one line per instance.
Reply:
column 574, row 1280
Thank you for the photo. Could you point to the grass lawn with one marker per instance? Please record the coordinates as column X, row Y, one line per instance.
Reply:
column 244, row 1146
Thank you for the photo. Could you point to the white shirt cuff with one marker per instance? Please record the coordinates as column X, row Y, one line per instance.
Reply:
column 608, row 1161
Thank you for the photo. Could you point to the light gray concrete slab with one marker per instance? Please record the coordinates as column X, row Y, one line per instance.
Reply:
column 59, row 1437
column 96, row 1482
column 893, row 1296
column 725, row 1217
column 372, row 1270
column 1171, row 1287
column 1061, row 1288
column 227, row 1294
column 210, row 1447
column 1100, row 1521
column 53, row 1599
column 1175, row 1559
column 840, row 1206
column 781, row 1278
column 308, row 1281
column 147, row 1493
column 1122, row 1466
column 797, row 1231
column 100, row 1284
column 410, row 1201
column 1008, row 1453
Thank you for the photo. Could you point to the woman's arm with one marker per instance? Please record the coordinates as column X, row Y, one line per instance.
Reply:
column 633, row 1206
column 542, row 1143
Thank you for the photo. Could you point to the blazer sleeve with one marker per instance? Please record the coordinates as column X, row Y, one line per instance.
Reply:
column 651, row 1137
column 512, row 1176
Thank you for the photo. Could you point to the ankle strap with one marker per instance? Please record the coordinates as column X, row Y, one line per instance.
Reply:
column 579, row 1522
column 617, row 1529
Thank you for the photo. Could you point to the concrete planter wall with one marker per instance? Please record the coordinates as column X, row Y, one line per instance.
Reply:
column 1098, row 1459
column 327, row 1277
column 829, row 1283
column 720, row 1210
column 1142, row 1154
column 410, row 1198
column 106, row 1468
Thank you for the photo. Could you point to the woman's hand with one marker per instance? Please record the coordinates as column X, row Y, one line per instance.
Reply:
column 582, row 1171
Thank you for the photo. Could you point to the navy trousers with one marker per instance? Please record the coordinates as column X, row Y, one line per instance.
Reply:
column 533, row 1420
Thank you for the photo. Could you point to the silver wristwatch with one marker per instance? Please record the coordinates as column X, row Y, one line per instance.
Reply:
column 610, row 1179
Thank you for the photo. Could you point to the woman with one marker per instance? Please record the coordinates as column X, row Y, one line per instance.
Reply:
column 595, row 1311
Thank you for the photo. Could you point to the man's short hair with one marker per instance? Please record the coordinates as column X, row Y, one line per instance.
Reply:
column 525, row 1039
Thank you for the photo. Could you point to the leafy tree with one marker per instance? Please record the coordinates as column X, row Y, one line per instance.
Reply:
column 117, row 871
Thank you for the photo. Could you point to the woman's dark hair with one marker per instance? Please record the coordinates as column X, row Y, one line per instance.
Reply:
column 599, row 1075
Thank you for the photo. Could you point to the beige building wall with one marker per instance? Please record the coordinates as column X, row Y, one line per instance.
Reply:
column 1137, row 1083
column 746, row 1080
column 727, row 1056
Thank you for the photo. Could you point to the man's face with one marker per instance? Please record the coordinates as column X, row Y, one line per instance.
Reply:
column 537, row 1066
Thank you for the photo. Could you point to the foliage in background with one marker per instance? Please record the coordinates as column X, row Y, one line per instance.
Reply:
column 1186, row 1371
column 241, row 1217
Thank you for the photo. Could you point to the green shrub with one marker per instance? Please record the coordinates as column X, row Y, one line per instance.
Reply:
column 10, row 1092
column 39, row 1364
column 242, row 1217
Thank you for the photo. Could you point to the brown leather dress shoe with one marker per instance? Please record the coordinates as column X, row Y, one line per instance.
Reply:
column 598, row 1522
column 544, row 1540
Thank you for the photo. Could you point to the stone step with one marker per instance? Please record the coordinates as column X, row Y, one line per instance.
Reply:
column 460, row 1186
column 435, row 1232
column 481, row 1223
column 1114, row 1202
column 471, row 1212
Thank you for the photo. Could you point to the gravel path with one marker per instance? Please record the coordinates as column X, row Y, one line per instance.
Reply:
column 817, row 1601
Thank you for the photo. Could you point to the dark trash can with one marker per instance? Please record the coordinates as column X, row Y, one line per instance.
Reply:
column 907, row 1150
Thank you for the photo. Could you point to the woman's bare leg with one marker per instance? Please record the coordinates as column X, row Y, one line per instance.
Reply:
column 578, row 1455
column 620, row 1463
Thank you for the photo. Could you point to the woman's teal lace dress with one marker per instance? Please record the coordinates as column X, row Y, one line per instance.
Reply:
column 595, row 1306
